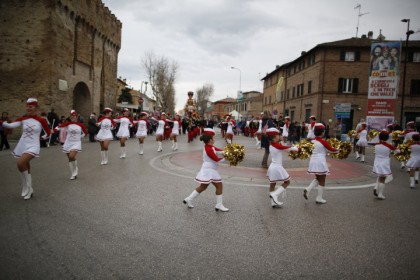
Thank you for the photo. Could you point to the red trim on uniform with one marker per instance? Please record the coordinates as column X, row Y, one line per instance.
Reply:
column 326, row 145
column 42, row 121
column 406, row 132
column 386, row 144
column 279, row 146
column 360, row 130
column 112, row 121
column 210, row 152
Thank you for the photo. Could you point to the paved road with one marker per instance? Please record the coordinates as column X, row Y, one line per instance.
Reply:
column 126, row 221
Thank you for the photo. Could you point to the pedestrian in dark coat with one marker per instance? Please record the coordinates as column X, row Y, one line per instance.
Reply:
column 267, row 122
column 92, row 128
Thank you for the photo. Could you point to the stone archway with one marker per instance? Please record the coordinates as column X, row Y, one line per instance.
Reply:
column 82, row 100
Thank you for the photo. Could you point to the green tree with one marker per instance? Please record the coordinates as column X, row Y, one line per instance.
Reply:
column 125, row 96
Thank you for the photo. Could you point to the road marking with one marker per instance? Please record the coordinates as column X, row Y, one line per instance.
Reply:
column 153, row 164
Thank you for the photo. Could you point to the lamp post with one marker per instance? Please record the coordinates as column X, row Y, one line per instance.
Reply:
column 141, row 100
column 239, row 93
column 408, row 33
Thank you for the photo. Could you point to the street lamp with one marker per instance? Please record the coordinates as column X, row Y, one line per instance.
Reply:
column 408, row 33
column 239, row 78
column 141, row 100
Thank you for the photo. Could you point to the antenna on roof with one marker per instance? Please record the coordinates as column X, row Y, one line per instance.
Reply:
column 359, row 6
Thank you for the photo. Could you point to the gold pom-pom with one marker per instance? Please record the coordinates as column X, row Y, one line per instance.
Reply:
column 351, row 133
column 234, row 153
column 343, row 146
column 373, row 133
column 405, row 152
column 306, row 148
column 396, row 134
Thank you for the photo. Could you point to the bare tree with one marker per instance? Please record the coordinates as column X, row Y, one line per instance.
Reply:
column 162, row 76
column 203, row 96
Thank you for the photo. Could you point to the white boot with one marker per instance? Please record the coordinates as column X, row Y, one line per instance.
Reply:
column 228, row 141
column 141, row 149
column 416, row 176
column 173, row 145
column 256, row 141
column 176, row 146
column 363, row 158
column 412, row 182
column 219, row 205
column 29, row 186
column 357, row 155
column 319, row 199
column 105, row 157
column 71, row 170
column 102, row 157
column 75, row 169
column 275, row 195
column 307, row 190
column 381, row 188
column 375, row 189
column 122, row 155
column 23, row 176
column 159, row 146
column 402, row 164
column 190, row 198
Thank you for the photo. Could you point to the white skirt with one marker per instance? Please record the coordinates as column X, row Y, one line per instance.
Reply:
column 26, row 147
column 140, row 134
column 362, row 143
column 72, row 146
column 382, row 167
column 104, row 135
column 276, row 172
column 318, row 166
column 207, row 175
column 123, row 132
column 413, row 163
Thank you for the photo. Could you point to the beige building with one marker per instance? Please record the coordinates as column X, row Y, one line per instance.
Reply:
column 63, row 52
column 250, row 105
column 333, row 73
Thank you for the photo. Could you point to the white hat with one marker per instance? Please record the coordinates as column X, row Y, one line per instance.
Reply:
column 209, row 131
column 32, row 101
column 107, row 110
column 272, row 131
column 73, row 112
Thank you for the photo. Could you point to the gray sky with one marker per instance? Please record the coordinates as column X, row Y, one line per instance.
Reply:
column 207, row 37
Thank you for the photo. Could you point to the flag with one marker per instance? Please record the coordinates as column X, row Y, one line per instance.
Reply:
column 278, row 90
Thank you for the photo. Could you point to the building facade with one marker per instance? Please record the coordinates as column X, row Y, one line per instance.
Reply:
column 63, row 52
column 249, row 106
column 334, row 73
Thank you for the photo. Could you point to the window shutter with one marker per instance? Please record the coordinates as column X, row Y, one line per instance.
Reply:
column 340, row 85
column 356, row 85
column 342, row 55
column 357, row 56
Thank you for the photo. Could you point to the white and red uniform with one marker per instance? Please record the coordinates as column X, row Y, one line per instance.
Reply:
column 161, row 126
column 259, row 131
column 382, row 162
column 105, row 133
column 276, row 171
column 231, row 125
column 317, row 162
column 414, row 161
column 208, row 172
column 141, row 128
column 175, row 128
column 285, row 129
column 407, row 134
column 125, row 124
column 362, row 142
column 31, row 130
column 75, row 131
column 311, row 128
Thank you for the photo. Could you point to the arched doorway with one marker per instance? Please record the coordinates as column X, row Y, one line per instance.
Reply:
column 81, row 100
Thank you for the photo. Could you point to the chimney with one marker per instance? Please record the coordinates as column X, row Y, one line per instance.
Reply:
column 370, row 35
column 302, row 53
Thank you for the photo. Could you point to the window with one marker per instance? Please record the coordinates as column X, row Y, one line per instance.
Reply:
column 348, row 85
column 309, row 87
column 300, row 90
column 415, row 87
column 350, row 56
column 416, row 57
column 293, row 92
column 265, row 100
column 307, row 115
column 269, row 99
column 311, row 60
column 292, row 115
column 288, row 94
column 281, row 96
